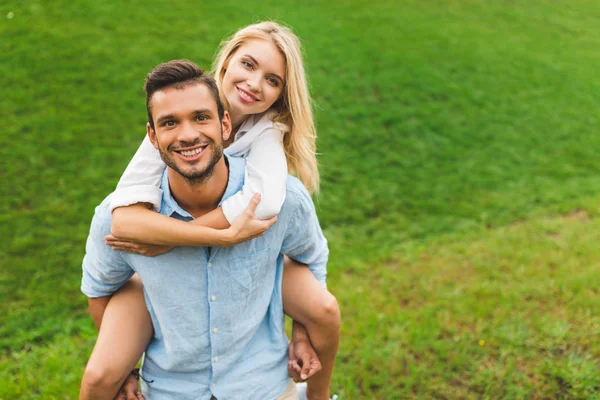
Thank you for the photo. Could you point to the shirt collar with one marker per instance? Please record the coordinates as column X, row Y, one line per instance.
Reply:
column 237, row 168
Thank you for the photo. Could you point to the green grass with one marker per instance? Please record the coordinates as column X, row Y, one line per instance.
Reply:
column 456, row 138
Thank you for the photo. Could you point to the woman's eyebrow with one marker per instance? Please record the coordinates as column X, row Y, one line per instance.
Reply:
column 252, row 58
column 257, row 63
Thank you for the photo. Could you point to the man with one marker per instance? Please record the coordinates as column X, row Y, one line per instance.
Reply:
column 217, row 312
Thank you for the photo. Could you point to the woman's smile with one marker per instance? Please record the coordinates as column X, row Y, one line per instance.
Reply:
column 246, row 96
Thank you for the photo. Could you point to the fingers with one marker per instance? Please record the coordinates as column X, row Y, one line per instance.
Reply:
column 120, row 395
column 292, row 372
column 270, row 222
column 131, row 392
column 305, row 357
column 292, row 364
column 254, row 203
column 125, row 246
column 315, row 366
column 117, row 242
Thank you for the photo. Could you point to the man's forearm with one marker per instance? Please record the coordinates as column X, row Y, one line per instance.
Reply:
column 299, row 332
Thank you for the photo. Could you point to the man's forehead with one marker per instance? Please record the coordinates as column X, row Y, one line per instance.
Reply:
column 175, row 100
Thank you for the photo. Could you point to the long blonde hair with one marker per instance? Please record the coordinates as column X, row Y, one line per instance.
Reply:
column 294, row 105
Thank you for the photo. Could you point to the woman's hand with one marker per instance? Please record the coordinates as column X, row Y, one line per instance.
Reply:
column 149, row 250
column 247, row 226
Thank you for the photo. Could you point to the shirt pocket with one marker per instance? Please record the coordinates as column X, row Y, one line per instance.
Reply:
column 246, row 272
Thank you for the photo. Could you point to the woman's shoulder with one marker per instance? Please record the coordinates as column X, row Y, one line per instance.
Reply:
column 264, row 121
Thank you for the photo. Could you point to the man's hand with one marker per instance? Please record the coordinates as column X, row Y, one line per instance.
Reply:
column 247, row 226
column 149, row 250
column 304, row 362
column 130, row 390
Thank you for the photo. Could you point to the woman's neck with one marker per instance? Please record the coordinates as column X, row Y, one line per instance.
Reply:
column 236, row 121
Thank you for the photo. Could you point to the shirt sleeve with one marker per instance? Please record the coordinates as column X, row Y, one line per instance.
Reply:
column 140, row 182
column 304, row 240
column 266, row 173
column 104, row 269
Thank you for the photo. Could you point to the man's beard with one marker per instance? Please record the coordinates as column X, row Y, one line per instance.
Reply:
column 194, row 177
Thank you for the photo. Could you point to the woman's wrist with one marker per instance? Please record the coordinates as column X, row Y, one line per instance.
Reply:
column 226, row 237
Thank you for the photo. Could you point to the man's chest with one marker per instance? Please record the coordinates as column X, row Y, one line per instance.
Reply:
column 235, row 273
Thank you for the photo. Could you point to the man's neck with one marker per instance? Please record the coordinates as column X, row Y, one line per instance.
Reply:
column 200, row 198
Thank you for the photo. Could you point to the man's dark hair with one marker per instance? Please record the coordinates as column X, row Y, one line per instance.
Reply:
column 179, row 74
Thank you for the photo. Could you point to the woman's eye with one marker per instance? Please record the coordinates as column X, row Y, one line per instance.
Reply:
column 274, row 82
column 247, row 64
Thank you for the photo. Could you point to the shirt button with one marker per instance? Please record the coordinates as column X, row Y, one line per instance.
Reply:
column 215, row 330
column 209, row 265
column 217, row 358
column 213, row 298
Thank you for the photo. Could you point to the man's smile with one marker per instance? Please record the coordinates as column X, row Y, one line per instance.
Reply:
column 191, row 154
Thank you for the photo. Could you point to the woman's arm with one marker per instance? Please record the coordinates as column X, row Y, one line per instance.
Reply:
column 138, row 223
column 140, row 183
column 266, row 173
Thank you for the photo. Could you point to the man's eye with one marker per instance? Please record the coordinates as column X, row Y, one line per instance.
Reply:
column 169, row 124
column 201, row 118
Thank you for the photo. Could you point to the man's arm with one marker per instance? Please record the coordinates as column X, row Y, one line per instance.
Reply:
column 104, row 272
column 319, row 313
column 304, row 241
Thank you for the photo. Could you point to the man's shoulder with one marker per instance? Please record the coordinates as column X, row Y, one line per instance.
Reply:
column 102, row 215
column 297, row 197
column 294, row 185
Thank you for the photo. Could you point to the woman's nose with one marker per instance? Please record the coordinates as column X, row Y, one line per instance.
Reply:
column 254, row 82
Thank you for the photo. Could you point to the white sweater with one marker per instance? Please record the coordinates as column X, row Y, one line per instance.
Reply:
column 259, row 140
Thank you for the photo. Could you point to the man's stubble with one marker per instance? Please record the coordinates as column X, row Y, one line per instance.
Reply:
column 195, row 177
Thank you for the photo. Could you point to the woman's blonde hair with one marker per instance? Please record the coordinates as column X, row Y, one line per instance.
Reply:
column 294, row 104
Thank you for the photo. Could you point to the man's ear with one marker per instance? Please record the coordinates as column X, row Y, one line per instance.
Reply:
column 151, row 135
column 226, row 126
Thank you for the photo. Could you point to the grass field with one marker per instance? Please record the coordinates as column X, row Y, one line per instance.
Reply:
column 458, row 146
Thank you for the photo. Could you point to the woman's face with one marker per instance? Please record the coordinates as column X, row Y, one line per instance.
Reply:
column 254, row 78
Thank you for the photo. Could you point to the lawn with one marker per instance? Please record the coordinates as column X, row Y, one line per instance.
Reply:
column 458, row 147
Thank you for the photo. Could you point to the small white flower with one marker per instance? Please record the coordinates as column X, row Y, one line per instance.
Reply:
column 10, row 15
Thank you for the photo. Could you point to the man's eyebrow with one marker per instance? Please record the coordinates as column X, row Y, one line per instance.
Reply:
column 164, row 118
column 202, row 111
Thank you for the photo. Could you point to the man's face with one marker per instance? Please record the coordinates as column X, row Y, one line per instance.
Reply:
column 188, row 133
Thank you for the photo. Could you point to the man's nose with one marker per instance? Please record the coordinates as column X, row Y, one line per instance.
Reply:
column 187, row 132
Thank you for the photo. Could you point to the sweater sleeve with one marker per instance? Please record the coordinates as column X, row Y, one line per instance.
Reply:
column 266, row 173
column 140, row 182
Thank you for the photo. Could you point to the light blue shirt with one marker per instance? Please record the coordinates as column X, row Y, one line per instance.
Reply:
column 217, row 312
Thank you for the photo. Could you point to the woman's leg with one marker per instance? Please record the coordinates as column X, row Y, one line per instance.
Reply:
column 307, row 302
column 124, row 334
